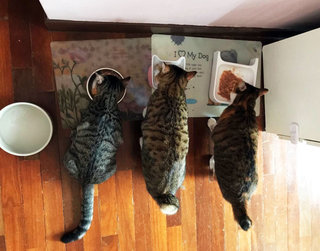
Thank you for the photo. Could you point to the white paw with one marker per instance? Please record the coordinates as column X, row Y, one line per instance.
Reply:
column 144, row 112
column 140, row 142
column 168, row 209
column 211, row 123
column 211, row 164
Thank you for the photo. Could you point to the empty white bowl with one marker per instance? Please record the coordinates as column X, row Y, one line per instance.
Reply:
column 25, row 129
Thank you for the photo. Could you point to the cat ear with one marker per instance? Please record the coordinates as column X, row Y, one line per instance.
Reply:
column 263, row 92
column 99, row 78
column 191, row 74
column 165, row 67
column 241, row 87
column 126, row 81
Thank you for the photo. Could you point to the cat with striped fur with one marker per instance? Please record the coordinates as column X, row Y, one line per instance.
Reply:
column 165, row 139
column 91, row 158
column 235, row 138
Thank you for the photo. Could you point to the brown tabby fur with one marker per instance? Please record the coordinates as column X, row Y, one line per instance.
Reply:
column 235, row 144
column 165, row 137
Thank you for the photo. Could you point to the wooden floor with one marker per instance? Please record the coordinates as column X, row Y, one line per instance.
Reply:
column 39, row 201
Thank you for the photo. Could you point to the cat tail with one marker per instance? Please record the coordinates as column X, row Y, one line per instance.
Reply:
column 169, row 204
column 241, row 216
column 86, row 215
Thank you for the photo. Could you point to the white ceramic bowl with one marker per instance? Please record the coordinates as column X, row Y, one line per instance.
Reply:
column 25, row 129
column 106, row 71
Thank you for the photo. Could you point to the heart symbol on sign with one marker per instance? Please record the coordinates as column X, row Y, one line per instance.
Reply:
column 181, row 53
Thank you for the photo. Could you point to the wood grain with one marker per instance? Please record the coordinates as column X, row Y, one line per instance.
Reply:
column 53, row 209
column 108, row 207
column 33, row 204
column 92, row 240
column 23, row 86
column 174, row 238
column 10, row 181
column 125, row 210
column 1, row 217
column 19, row 34
column 110, row 243
column 4, row 9
column 141, row 210
column 158, row 227
column 231, row 238
column 188, row 201
column 6, row 93
column 14, row 228
column 40, row 45
column 203, row 199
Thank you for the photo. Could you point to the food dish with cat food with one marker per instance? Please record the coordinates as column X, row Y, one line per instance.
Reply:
column 228, row 83
column 92, row 80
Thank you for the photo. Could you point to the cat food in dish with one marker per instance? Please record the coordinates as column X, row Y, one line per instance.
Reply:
column 228, row 83
column 226, row 75
column 91, row 82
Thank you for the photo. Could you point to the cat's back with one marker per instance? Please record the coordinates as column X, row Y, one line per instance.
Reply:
column 235, row 144
column 165, row 127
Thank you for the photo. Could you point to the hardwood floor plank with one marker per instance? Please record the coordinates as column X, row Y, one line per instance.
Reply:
column 188, row 203
column 33, row 204
column 49, row 157
column 53, row 210
column 4, row 10
column 256, row 213
column 280, row 182
column 15, row 232
column 19, row 34
column 108, row 207
column 23, row 86
column 110, row 243
column 315, row 239
column 269, row 210
column 125, row 210
column 217, row 217
column 10, row 181
column 71, row 194
column 231, row 237
column 203, row 187
column 174, row 238
column 6, row 94
column 293, row 200
column 244, row 240
column 40, row 46
column 158, row 227
column 2, row 243
column 1, row 217
column 92, row 240
column 141, row 210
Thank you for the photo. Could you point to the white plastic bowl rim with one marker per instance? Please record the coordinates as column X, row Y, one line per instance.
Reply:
column 101, row 69
column 2, row 111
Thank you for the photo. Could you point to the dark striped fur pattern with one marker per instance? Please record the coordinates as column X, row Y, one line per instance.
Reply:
column 165, row 137
column 91, row 158
column 235, row 143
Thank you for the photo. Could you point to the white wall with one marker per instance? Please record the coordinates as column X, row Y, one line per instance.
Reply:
column 245, row 13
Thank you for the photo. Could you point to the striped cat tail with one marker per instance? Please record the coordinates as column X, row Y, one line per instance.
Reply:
column 169, row 204
column 241, row 216
column 86, row 217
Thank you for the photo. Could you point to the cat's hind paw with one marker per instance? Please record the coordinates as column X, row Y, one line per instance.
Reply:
column 140, row 142
column 168, row 209
column 211, row 123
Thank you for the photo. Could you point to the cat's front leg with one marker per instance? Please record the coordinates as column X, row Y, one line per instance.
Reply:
column 211, row 124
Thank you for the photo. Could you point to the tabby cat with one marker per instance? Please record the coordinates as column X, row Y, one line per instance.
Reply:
column 91, row 158
column 235, row 143
column 165, row 139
